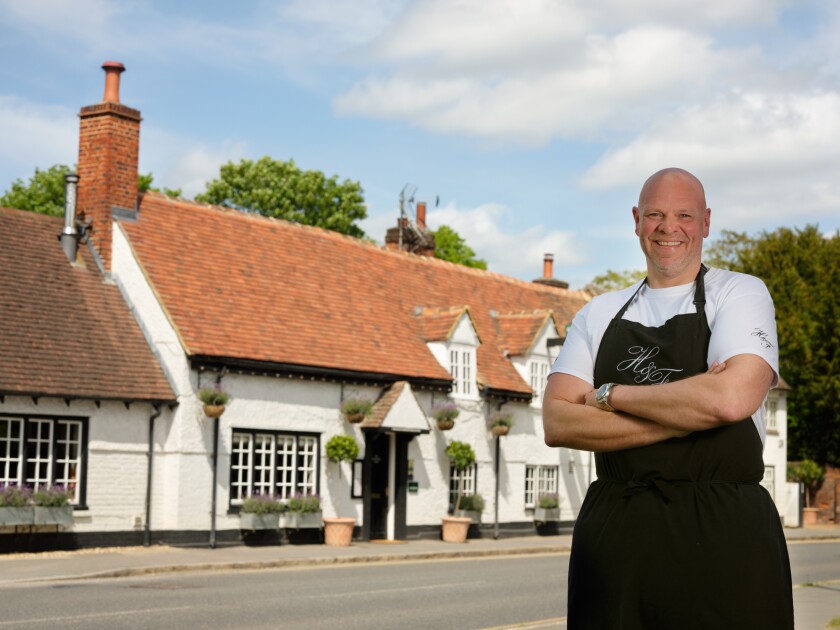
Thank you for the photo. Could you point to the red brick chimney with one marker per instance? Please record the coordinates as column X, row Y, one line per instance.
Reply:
column 109, row 145
column 421, row 215
column 548, row 278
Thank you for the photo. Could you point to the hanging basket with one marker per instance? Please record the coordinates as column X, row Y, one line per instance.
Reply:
column 445, row 425
column 213, row 411
column 500, row 430
column 354, row 418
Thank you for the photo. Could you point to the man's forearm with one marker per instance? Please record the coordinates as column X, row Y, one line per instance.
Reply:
column 700, row 402
column 578, row 426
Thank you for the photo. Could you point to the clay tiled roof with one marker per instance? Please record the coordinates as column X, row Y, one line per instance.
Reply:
column 65, row 332
column 382, row 406
column 243, row 287
column 519, row 330
column 437, row 324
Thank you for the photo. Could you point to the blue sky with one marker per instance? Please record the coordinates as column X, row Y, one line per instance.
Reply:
column 534, row 122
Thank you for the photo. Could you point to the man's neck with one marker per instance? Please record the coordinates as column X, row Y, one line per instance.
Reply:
column 659, row 280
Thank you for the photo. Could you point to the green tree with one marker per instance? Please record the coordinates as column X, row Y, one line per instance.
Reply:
column 280, row 189
column 801, row 269
column 614, row 280
column 43, row 194
column 449, row 245
column 45, row 191
column 144, row 183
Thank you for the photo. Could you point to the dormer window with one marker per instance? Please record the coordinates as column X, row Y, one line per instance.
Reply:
column 461, row 363
column 538, row 371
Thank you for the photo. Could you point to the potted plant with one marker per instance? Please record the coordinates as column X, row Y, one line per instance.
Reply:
column 303, row 511
column 338, row 531
column 356, row 409
column 810, row 474
column 547, row 509
column 260, row 511
column 472, row 505
column 214, row 400
column 445, row 414
column 342, row 448
column 455, row 528
column 52, row 505
column 15, row 506
column 501, row 422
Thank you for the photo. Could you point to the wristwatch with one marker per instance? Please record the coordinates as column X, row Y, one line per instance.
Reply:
column 602, row 397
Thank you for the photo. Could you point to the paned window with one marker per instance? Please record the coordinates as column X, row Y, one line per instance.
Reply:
column 467, row 480
column 539, row 372
column 770, row 408
column 41, row 451
column 769, row 480
column 270, row 462
column 539, row 480
column 460, row 367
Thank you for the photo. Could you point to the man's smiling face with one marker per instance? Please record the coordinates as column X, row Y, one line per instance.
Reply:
column 671, row 222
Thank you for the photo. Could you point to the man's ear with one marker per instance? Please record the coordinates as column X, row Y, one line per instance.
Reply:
column 636, row 221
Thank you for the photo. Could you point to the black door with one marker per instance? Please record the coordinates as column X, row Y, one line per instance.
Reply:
column 377, row 454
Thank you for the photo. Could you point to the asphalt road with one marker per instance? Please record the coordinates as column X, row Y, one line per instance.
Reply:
column 456, row 594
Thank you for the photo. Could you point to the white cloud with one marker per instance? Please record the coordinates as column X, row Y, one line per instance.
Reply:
column 486, row 229
column 188, row 168
column 760, row 156
column 35, row 135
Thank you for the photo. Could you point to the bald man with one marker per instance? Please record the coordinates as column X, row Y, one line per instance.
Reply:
column 665, row 382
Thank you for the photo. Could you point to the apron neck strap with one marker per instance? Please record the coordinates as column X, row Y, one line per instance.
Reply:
column 699, row 293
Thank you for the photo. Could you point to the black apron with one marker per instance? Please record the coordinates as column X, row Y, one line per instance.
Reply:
column 677, row 535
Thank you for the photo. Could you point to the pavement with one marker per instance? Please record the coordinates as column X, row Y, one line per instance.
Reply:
column 815, row 605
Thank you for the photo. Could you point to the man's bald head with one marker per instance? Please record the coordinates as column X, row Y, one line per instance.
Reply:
column 671, row 173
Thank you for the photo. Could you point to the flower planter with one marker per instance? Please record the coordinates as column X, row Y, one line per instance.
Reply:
column 809, row 516
column 445, row 425
column 546, row 515
column 500, row 430
column 54, row 515
column 302, row 520
column 355, row 418
column 473, row 515
column 454, row 528
column 338, row 532
column 252, row 521
column 213, row 411
column 17, row 516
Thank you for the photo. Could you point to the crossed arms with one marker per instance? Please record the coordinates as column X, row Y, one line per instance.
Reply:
column 646, row 414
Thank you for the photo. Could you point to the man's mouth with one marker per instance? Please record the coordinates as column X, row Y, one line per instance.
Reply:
column 668, row 243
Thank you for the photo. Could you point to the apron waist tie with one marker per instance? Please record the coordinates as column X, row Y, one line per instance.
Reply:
column 667, row 489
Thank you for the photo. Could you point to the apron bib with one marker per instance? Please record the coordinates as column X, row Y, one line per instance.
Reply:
column 677, row 535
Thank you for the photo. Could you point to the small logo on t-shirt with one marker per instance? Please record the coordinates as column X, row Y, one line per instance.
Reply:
column 642, row 365
column 763, row 338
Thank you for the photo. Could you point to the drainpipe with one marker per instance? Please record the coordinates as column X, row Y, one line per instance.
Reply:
column 496, row 502
column 147, row 535
column 215, row 466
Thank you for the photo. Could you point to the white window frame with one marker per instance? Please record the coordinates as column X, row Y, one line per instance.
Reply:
column 273, row 462
column 538, row 372
column 771, row 412
column 469, row 480
column 44, row 450
column 540, row 480
column 462, row 369
column 769, row 480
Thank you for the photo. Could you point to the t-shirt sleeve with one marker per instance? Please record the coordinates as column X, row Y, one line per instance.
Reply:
column 576, row 355
column 745, row 323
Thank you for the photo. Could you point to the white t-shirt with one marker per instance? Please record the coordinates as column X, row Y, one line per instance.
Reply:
column 739, row 310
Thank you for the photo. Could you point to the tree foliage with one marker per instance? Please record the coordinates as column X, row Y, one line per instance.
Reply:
column 614, row 280
column 43, row 194
column 801, row 268
column 280, row 189
column 449, row 245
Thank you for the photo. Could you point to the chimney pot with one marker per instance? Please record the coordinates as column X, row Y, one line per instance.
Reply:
column 112, row 69
column 548, row 266
column 421, row 215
